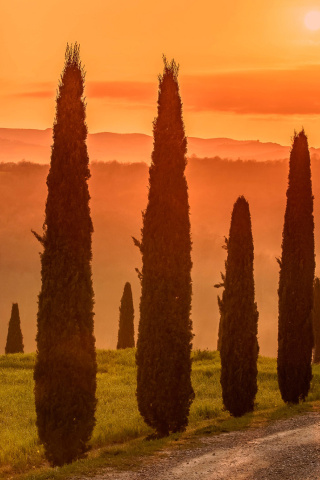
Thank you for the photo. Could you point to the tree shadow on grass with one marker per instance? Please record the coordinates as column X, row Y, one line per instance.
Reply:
column 228, row 424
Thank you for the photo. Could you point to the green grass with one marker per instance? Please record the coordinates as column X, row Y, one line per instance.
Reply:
column 119, row 436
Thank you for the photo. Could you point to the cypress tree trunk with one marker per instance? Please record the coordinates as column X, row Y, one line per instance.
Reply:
column 65, row 371
column 14, row 338
column 316, row 320
column 126, row 325
column 164, row 390
column 239, row 317
column 297, row 265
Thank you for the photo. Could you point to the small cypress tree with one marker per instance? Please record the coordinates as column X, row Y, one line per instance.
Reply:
column 65, row 370
column 316, row 320
column 126, row 326
column 297, row 265
column 239, row 317
column 14, row 339
column 164, row 390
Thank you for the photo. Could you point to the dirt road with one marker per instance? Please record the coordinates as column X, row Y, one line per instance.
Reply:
column 287, row 449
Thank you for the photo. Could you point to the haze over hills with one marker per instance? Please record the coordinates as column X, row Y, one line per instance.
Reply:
column 118, row 195
column 34, row 146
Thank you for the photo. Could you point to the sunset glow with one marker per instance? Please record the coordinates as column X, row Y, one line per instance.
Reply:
column 247, row 70
column 312, row 20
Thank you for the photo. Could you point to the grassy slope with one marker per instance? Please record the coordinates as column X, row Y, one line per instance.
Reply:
column 119, row 432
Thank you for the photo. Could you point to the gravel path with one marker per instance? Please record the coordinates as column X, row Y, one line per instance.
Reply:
column 286, row 449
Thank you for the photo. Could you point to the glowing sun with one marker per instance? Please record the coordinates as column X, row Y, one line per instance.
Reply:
column 312, row 20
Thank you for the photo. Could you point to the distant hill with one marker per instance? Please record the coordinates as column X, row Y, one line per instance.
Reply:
column 118, row 195
column 34, row 146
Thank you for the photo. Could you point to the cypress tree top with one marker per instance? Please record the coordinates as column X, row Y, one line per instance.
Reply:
column 296, row 278
column 170, row 143
column 69, row 169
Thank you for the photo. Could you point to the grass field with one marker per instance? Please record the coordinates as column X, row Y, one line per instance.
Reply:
column 120, row 431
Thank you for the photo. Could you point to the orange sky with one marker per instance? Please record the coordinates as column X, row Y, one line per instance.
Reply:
column 248, row 69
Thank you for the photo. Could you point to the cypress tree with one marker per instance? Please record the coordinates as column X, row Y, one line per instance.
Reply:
column 297, row 265
column 65, row 370
column 14, row 338
column 316, row 320
column 126, row 326
column 164, row 390
column 239, row 317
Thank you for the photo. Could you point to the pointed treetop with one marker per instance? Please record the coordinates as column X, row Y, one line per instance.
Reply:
column 72, row 55
column 300, row 170
column 169, row 69
column 299, row 139
column 73, row 73
column 168, row 127
column 169, row 75
column 241, row 202
column 299, row 135
column 240, row 213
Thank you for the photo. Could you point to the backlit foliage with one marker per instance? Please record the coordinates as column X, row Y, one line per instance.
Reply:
column 65, row 371
column 297, row 266
column 164, row 390
column 238, row 326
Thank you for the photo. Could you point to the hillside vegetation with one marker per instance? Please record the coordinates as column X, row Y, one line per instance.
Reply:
column 118, row 195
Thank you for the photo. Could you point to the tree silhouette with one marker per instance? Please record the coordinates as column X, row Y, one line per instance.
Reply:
column 238, row 342
column 126, row 326
column 65, row 370
column 297, row 265
column 219, row 285
column 164, row 390
column 14, row 338
column 316, row 320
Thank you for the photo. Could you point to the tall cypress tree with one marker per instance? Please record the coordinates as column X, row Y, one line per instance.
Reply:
column 14, row 338
column 65, row 371
column 316, row 320
column 296, row 278
column 126, row 326
column 239, row 317
column 164, row 390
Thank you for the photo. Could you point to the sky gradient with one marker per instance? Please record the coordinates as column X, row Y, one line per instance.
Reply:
column 248, row 70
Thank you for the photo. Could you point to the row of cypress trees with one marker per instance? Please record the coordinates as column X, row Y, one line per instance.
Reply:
column 237, row 336
column 65, row 370
column 14, row 343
